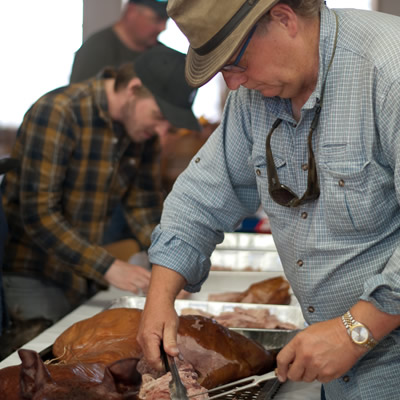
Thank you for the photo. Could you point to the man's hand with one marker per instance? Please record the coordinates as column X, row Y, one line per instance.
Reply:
column 159, row 319
column 158, row 324
column 125, row 276
column 322, row 352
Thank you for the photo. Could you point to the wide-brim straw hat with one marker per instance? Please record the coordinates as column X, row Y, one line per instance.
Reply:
column 215, row 30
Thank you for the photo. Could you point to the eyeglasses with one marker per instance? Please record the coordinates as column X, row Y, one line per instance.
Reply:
column 282, row 194
column 234, row 67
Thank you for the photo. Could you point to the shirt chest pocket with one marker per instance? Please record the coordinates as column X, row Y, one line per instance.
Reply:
column 352, row 197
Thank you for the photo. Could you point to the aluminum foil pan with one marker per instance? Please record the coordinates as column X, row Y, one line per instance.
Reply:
column 269, row 338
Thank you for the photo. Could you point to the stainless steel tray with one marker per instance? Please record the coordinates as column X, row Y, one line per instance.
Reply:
column 269, row 338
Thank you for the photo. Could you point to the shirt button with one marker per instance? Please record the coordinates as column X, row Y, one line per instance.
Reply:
column 311, row 309
column 341, row 183
column 304, row 215
column 197, row 160
column 299, row 263
column 114, row 140
column 258, row 172
column 346, row 378
column 132, row 161
column 304, row 167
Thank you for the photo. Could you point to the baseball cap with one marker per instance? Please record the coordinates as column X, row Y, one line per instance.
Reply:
column 159, row 6
column 162, row 71
column 215, row 30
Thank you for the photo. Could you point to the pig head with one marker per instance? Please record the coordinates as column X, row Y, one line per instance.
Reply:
column 33, row 380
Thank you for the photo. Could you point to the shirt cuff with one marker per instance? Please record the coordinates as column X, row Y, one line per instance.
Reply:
column 383, row 294
column 171, row 252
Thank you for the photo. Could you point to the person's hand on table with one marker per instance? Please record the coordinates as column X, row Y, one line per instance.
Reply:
column 125, row 276
column 321, row 352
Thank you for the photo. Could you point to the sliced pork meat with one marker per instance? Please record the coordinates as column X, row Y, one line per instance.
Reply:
column 252, row 318
column 158, row 388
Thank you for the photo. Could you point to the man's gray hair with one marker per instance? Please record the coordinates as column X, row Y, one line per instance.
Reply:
column 304, row 8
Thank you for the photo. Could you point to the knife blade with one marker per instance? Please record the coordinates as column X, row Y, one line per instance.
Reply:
column 177, row 389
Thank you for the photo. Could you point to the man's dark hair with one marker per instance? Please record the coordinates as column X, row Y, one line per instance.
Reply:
column 123, row 75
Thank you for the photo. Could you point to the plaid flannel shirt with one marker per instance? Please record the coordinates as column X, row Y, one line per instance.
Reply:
column 76, row 164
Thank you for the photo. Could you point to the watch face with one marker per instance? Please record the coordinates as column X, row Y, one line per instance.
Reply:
column 359, row 334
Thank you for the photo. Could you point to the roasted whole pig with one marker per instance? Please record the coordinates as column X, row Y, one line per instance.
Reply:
column 217, row 354
column 34, row 380
column 269, row 291
column 106, row 337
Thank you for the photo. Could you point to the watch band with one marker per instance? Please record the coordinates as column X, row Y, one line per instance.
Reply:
column 353, row 327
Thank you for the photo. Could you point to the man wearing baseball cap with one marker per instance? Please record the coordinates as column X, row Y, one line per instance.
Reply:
column 309, row 133
column 136, row 30
column 82, row 149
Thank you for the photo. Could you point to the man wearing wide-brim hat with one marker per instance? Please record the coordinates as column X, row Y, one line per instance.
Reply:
column 309, row 133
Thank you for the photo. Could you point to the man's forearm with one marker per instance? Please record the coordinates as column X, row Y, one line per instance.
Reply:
column 165, row 284
column 379, row 323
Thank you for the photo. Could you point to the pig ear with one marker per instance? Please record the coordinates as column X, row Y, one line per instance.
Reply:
column 109, row 382
column 124, row 371
column 34, row 373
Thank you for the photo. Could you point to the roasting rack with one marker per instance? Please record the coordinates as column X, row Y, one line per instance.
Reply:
column 267, row 391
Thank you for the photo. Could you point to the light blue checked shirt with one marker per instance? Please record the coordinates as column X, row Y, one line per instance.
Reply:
column 341, row 248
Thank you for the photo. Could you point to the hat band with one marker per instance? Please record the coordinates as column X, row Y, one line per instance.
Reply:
column 227, row 29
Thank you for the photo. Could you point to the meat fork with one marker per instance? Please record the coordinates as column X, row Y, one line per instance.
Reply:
column 177, row 389
column 243, row 384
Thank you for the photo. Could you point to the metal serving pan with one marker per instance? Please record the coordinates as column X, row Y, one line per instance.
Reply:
column 269, row 338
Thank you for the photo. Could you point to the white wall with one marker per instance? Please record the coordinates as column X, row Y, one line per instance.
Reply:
column 98, row 14
column 389, row 6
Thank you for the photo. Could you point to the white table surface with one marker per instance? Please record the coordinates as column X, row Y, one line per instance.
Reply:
column 289, row 391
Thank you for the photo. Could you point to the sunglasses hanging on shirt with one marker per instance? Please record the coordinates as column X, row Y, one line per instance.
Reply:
column 282, row 194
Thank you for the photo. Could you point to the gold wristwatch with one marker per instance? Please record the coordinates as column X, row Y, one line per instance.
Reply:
column 358, row 332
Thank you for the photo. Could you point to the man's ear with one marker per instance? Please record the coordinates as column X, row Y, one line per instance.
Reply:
column 285, row 17
column 133, row 85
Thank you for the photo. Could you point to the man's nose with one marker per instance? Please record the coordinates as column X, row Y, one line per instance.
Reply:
column 233, row 79
column 162, row 129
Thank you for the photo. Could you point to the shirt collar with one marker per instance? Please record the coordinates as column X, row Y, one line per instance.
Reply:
column 101, row 101
column 326, row 48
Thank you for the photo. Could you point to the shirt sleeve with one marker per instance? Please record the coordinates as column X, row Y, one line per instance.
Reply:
column 50, row 139
column 210, row 197
column 95, row 54
column 383, row 290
